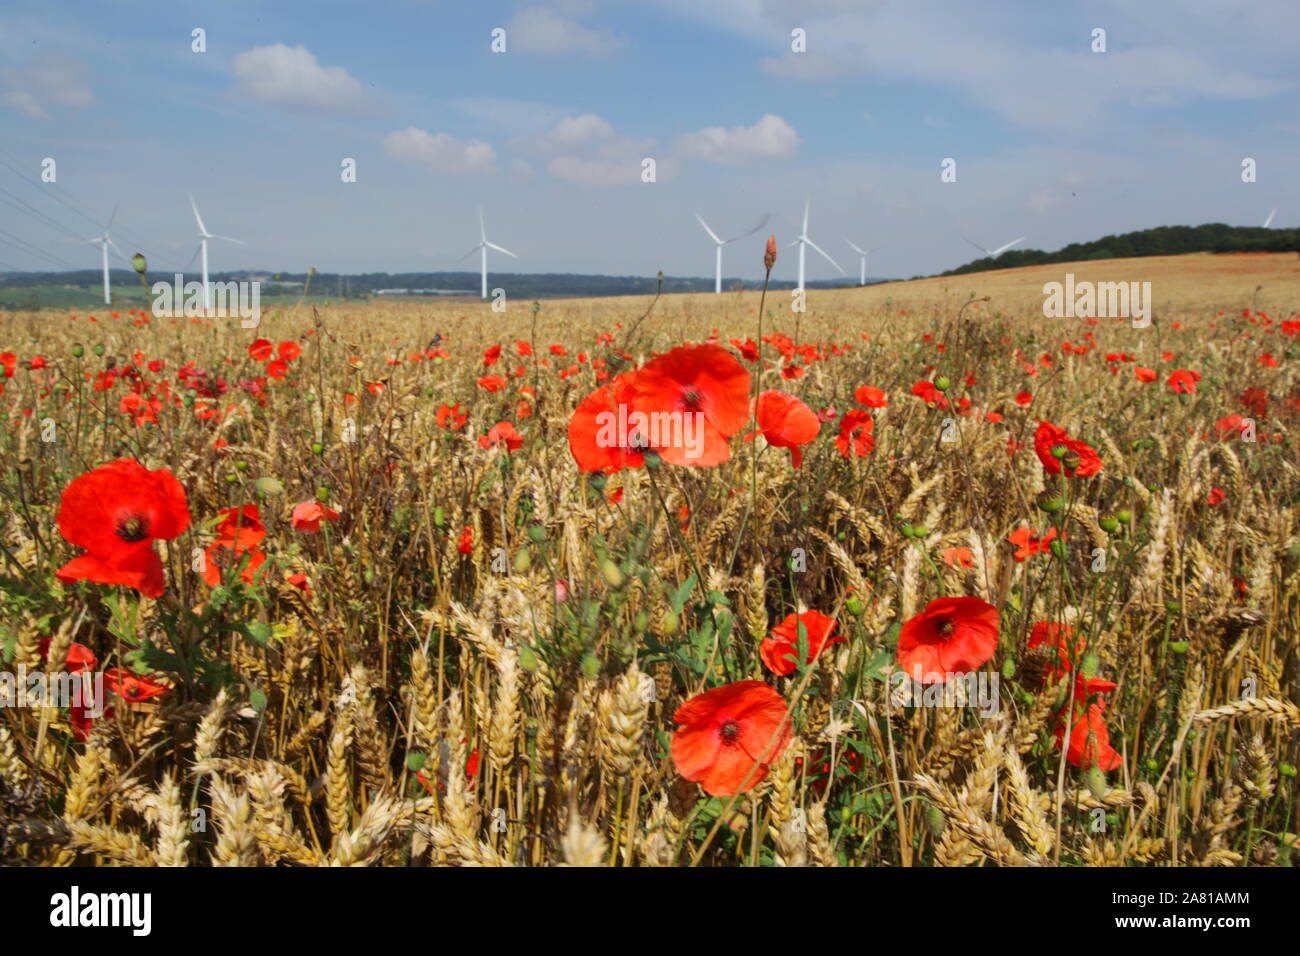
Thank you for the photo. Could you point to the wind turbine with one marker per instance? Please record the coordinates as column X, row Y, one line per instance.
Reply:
column 202, row 251
column 803, row 242
column 719, row 243
column 482, row 248
column 104, row 241
column 863, row 253
column 1269, row 221
column 994, row 253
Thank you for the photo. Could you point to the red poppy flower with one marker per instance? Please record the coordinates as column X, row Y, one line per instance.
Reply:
column 115, row 512
column 502, row 434
column 594, row 444
column 870, row 396
column 1144, row 374
column 300, row 581
column 1028, row 544
column 1215, row 497
column 729, row 735
column 491, row 355
column 131, row 687
column 786, row 422
column 704, row 381
column 260, row 350
column 288, row 351
column 1055, row 635
column 930, row 394
column 780, row 650
column 748, row 350
column 951, row 636
column 307, row 516
column 466, row 543
column 1183, row 381
column 1023, row 399
column 855, row 439
column 450, row 416
column 240, row 528
column 1054, row 445
column 223, row 553
column 961, row 557
column 1089, row 738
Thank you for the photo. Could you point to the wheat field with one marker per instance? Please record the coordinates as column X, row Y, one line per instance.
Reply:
column 445, row 645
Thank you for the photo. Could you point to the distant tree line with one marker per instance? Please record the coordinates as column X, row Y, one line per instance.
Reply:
column 1161, row 241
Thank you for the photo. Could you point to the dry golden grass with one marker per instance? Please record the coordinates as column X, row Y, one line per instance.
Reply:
column 424, row 707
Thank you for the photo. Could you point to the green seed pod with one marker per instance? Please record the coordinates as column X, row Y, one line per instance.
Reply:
column 139, row 263
column 1108, row 523
column 317, row 448
column 439, row 517
column 934, row 821
column 1179, row 647
column 1051, row 501
column 527, row 659
column 1286, row 770
column 78, row 350
column 1124, row 516
column 98, row 349
column 523, row 560
column 1173, row 607
column 536, row 533
column 943, row 383
column 854, row 605
column 908, row 531
column 1008, row 669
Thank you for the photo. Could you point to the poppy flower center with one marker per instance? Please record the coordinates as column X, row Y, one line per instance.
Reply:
column 691, row 400
column 946, row 627
column 730, row 732
column 133, row 527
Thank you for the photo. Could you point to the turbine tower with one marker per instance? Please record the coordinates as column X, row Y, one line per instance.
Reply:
column 803, row 242
column 994, row 253
column 862, row 279
column 202, row 251
column 104, row 241
column 719, row 243
column 482, row 248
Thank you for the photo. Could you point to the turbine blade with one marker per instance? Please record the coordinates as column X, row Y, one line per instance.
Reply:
column 470, row 253
column 1001, row 249
column 110, row 221
column 824, row 255
column 120, row 254
column 482, row 227
column 203, row 230
column 228, row 239
column 855, row 248
column 195, row 256
column 493, row 245
column 807, row 203
column 978, row 246
column 761, row 223
column 1269, row 221
column 712, row 235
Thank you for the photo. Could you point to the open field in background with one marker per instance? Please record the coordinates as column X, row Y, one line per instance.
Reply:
column 478, row 660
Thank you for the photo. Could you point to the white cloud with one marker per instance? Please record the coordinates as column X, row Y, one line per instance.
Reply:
column 291, row 77
column 586, row 150
column 40, row 84
column 440, row 152
column 540, row 29
column 770, row 138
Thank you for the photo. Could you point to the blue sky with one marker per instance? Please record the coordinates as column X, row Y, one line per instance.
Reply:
column 1052, row 141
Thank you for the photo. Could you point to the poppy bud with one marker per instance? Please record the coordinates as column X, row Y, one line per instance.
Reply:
column 98, row 349
column 943, row 383
column 536, row 533
column 908, row 531
column 1286, row 770
column 934, row 821
column 268, row 486
column 523, row 560
column 1173, row 607
column 78, row 350
column 1124, row 516
column 439, row 516
column 317, row 448
column 1179, row 647
column 139, row 263
column 612, row 574
column 527, row 659
column 1108, row 523
column 769, row 254
column 854, row 605
column 1096, row 782
column 920, row 530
